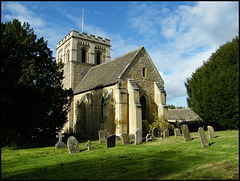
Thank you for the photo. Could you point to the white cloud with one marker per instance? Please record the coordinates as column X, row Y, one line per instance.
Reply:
column 18, row 11
column 187, row 36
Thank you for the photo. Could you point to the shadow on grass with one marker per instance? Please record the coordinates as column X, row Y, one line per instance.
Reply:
column 128, row 166
column 211, row 143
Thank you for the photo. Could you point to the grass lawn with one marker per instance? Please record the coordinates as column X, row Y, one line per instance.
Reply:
column 167, row 159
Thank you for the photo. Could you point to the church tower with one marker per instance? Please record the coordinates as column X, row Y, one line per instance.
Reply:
column 79, row 53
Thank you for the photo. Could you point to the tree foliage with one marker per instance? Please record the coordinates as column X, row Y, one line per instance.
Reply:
column 213, row 89
column 33, row 102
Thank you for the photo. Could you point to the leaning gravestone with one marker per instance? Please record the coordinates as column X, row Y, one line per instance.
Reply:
column 60, row 144
column 102, row 134
column 203, row 138
column 138, row 136
column 111, row 141
column 125, row 138
column 185, row 132
column 149, row 138
column 165, row 133
column 211, row 132
column 72, row 144
column 155, row 132
column 177, row 132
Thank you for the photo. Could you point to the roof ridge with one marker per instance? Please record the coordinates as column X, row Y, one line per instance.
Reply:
column 137, row 50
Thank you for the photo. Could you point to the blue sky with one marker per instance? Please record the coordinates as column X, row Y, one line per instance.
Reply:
column 178, row 35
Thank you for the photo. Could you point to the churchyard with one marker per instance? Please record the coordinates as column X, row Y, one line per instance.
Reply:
column 170, row 157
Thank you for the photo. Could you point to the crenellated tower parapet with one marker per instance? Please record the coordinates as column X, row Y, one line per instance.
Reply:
column 79, row 52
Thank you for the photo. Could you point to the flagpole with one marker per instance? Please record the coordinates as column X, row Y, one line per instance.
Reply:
column 82, row 18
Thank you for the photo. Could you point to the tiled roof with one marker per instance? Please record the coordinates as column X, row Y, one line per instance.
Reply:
column 107, row 73
column 182, row 114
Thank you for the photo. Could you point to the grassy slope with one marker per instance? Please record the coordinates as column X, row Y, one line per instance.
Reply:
column 170, row 158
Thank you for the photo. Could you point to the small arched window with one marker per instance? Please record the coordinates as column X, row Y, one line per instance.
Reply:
column 144, row 72
column 98, row 58
column 101, row 110
column 83, row 56
column 67, row 56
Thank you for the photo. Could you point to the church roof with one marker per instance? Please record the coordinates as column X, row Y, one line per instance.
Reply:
column 107, row 73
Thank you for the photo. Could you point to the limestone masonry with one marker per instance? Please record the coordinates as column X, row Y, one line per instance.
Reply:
column 113, row 95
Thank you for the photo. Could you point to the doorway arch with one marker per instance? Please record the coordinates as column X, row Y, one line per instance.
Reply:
column 145, row 112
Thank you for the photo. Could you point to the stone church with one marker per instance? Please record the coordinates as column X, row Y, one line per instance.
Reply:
column 114, row 95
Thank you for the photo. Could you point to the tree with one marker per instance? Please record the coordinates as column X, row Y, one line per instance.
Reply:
column 213, row 89
column 34, row 104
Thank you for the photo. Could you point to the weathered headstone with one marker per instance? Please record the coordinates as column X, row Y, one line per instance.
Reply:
column 125, row 138
column 203, row 138
column 153, row 137
column 72, row 144
column 155, row 131
column 211, row 132
column 185, row 132
column 148, row 137
column 131, row 136
column 88, row 144
column 111, row 141
column 102, row 134
column 138, row 137
column 177, row 132
column 60, row 144
column 165, row 133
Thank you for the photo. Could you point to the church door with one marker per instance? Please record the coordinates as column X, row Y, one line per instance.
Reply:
column 144, row 115
column 81, row 123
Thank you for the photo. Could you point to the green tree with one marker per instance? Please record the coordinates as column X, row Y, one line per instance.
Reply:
column 213, row 89
column 34, row 104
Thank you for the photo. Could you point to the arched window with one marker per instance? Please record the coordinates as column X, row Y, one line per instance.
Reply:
column 67, row 56
column 81, row 125
column 83, row 56
column 144, row 107
column 143, row 72
column 98, row 58
column 101, row 110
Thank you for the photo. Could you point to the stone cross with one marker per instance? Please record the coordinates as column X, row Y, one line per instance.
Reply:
column 60, row 144
column 59, row 136
column 211, row 132
column 88, row 144
column 203, row 138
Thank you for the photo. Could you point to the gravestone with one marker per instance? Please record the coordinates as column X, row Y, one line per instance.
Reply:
column 203, row 138
column 111, row 141
column 177, row 132
column 125, row 138
column 155, row 132
column 138, row 137
column 153, row 137
column 165, row 133
column 72, row 144
column 131, row 136
column 60, row 144
column 185, row 132
column 102, row 134
column 211, row 132
column 88, row 144
column 148, row 137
